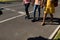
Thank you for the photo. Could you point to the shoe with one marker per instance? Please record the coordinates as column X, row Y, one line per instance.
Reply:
column 38, row 19
column 27, row 17
column 43, row 24
column 34, row 20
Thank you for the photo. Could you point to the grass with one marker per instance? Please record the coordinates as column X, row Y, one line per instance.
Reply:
column 57, row 37
column 10, row 0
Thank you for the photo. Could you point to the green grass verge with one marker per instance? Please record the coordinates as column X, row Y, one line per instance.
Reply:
column 57, row 37
column 11, row 0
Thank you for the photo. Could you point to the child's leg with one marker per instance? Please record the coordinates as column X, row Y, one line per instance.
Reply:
column 45, row 14
column 26, row 9
column 35, row 7
column 34, row 15
column 39, row 12
column 51, row 17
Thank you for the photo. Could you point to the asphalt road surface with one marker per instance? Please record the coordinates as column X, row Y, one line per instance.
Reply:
column 14, row 26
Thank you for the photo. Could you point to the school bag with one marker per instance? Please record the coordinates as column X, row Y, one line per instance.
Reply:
column 55, row 3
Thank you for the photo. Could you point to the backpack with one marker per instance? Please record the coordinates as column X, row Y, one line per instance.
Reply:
column 55, row 3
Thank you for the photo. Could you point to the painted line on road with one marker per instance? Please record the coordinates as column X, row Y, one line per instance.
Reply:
column 10, row 9
column 10, row 18
column 20, row 12
column 23, row 13
column 7, row 9
column 13, row 17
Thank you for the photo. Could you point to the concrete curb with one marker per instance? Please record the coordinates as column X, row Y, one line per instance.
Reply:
column 54, row 33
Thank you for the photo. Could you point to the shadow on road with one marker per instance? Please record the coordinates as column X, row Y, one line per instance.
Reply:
column 56, row 21
column 41, row 38
column 37, row 38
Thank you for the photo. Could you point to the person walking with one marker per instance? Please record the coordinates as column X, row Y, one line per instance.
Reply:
column 37, row 4
column 49, row 9
column 27, row 4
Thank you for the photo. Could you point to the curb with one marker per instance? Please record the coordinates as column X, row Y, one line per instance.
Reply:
column 54, row 33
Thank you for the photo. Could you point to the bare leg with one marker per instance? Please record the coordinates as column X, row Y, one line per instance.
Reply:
column 43, row 23
column 51, row 17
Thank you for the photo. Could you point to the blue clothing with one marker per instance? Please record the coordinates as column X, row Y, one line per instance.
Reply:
column 35, row 8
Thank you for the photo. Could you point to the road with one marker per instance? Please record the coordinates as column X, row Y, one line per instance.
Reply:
column 14, row 26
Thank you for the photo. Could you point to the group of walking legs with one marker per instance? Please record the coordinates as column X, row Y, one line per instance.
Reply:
column 49, row 9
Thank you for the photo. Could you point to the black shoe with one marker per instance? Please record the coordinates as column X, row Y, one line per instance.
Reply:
column 27, row 17
column 38, row 19
column 34, row 20
column 1, row 13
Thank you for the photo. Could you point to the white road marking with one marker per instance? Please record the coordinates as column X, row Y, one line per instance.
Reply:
column 10, row 18
column 22, row 13
column 7, row 9
column 31, row 11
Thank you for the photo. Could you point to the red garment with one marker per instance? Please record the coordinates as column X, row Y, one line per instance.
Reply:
column 26, row 1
